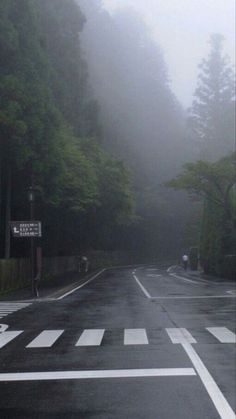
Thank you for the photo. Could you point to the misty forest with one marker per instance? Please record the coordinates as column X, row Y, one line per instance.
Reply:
column 89, row 120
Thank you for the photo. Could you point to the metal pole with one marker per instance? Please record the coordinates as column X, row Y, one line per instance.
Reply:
column 32, row 249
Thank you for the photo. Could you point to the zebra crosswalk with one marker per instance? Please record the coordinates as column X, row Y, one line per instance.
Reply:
column 95, row 337
column 12, row 307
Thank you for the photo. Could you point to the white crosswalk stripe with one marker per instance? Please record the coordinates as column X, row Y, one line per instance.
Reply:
column 6, row 337
column 180, row 335
column 46, row 339
column 94, row 337
column 8, row 308
column 135, row 337
column 223, row 334
column 91, row 337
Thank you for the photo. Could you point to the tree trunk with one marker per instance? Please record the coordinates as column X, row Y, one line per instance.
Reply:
column 0, row 198
column 8, row 214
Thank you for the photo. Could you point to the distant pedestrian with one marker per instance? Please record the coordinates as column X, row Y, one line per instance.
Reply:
column 84, row 264
column 185, row 261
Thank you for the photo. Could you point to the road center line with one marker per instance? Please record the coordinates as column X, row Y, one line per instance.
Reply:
column 80, row 286
column 142, row 287
column 220, row 402
column 82, row 375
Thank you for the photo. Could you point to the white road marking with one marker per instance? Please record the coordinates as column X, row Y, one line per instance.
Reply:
column 13, row 304
column 142, row 287
column 185, row 279
column 6, row 337
column 220, row 402
column 182, row 297
column 171, row 267
column 223, row 334
column 180, row 335
column 91, row 337
column 3, row 327
column 45, row 339
column 83, row 375
column 231, row 292
column 135, row 337
column 11, row 307
column 80, row 286
column 153, row 275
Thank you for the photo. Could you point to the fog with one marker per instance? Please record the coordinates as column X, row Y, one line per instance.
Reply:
column 143, row 61
column 182, row 27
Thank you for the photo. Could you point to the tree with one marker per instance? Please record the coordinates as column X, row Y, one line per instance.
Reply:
column 213, row 181
column 211, row 116
column 215, row 184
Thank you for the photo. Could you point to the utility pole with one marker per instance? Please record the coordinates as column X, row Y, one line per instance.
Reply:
column 31, row 197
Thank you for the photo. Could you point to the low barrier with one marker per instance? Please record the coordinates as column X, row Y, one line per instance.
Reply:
column 16, row 273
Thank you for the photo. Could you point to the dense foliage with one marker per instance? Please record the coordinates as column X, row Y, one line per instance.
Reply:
column 212, row 123
column 215, row 184
column 88, row 118
column 49, row 130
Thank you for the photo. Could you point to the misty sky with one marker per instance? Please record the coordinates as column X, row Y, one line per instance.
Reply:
column 182, row 28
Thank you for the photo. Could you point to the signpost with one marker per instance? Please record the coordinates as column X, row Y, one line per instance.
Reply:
column 23, row 229
column 31, row 229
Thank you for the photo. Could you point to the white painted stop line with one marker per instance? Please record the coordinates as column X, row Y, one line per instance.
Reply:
column 82, row 375
column 222, row 406
column 183, row 337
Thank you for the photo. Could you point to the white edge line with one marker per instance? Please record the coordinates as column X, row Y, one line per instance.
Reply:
column 80, row 286
column 78, row 375
column 188, row 297
column 142, row 287
column 222, row 406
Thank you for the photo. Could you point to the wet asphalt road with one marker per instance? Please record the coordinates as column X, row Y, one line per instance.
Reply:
column 135, row 316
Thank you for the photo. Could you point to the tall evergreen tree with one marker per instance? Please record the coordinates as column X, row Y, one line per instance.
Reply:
column 212, row 113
